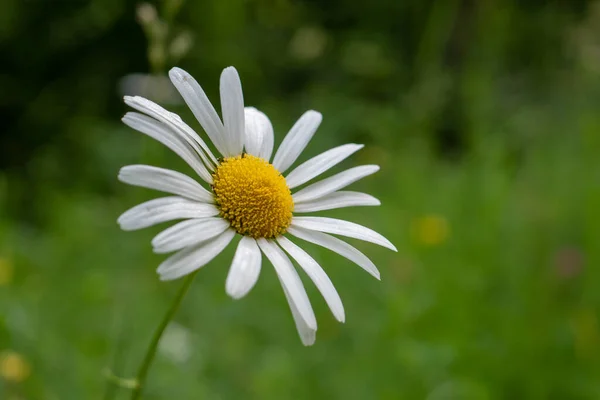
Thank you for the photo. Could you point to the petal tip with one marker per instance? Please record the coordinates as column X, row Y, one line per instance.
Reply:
column 133, row 99
column 235, row 295
column 120, row 219
column 315, row 114
column 229, row 70
column 374, row 272
column 309, row 340
column 165, row 276
column 231, row 290
column 128, row 116
column 161, row 269
column 230, row 76
column 177, row 74
column 123, row 171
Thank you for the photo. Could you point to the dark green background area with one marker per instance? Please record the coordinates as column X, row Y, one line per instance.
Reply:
column 483, row 115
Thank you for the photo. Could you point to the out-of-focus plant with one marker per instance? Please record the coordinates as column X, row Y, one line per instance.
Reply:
column 586, row 39
column 6, row 271
column 430, row 230
column 167, row 44
column 14, row 367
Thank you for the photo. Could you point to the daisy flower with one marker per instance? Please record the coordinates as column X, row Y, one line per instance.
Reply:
column 246, row 195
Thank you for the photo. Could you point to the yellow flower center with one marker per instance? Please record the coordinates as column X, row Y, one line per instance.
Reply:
column 253, row 196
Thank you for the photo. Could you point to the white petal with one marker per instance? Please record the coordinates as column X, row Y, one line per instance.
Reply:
column 333, row 183
column 319, row 164
column 176, row 124
column 188, row 233
column 245, row 268
column 191, row 258
column 296, row 140
column 201, row 106
column 165, row 180
column 338, row 246
column 317, row 275
column 164, row 209
column 344, row 228
column 289, row 279
column 163, row 134
column 306, row 333
column 259, row 134
column 206, row 154
column 232, row 108
column 337, row 200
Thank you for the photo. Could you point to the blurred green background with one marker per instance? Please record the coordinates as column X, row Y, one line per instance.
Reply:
column 484, row 116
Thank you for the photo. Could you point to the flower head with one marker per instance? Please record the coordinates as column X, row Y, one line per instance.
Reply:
column 249, row 196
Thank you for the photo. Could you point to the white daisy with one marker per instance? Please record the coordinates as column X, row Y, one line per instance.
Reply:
column 247, row 196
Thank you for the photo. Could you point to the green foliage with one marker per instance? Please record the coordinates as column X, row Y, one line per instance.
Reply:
column 483, row 117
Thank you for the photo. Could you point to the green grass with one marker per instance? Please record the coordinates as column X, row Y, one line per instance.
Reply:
column 485, row 314
column 496, row 297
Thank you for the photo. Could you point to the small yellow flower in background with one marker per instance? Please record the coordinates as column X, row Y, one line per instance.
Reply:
column 6, row 272
column 586, row 333
column 13, row 367
column 430, row 230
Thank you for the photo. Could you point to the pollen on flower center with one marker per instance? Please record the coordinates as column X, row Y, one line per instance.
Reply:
column 253, row 196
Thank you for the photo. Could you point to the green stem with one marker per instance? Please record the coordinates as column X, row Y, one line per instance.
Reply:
column 143, row 371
